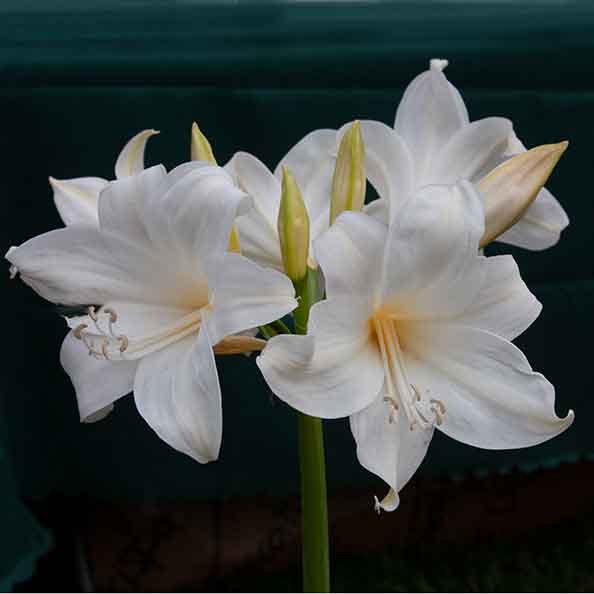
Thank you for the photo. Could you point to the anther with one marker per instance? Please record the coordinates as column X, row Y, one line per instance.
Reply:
column 123, row 343
column 113, row 316
column 13, row 271
column 78, row 331
column 393, row 407
column 92, row 313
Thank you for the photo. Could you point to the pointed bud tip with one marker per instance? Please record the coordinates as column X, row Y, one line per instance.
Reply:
column 200, row 148
column 293, row 227
column 510, row 189
column 349, row 179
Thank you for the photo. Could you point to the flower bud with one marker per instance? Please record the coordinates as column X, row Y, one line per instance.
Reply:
column 509, row 189
column 293, row 228
column 200, row 148
column 348, row 182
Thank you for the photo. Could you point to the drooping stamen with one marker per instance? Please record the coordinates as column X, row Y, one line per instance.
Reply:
column 101, row 351
column 420, row 410
column 103, row 342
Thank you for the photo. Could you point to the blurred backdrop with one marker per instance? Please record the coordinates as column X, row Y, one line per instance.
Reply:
column 76, row 81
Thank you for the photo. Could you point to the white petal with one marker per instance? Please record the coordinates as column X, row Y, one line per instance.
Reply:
column 82, row 265
column 387, row 447
column 120, row 203
column 245, row 295
column 350, row 254
column 470, row 152
column 311, row 161
column 388, row 162
column 492, row 397
column 193, row 218
column 431, row 263
column 333, row 372
column 541, row 225
column 177, row 393
column 504, row 305
column 430, row 112
column 258, row 236
column 97, row 383
column 76, row 199
column 131, row 160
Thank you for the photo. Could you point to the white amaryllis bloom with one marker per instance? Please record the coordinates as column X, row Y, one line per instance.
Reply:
column 433, row 142
column 445, row 146
column 163, row 292
column 415, row 334
column 76, row 199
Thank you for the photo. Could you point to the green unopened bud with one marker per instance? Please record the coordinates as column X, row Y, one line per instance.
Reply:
column 293, row 228
column 348, row 182
column 512, row 187
column 200, row 147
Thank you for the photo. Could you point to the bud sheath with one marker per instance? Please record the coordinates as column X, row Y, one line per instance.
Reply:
column 348, row 182
column 293, row 228
column 200, row 147
column 509, row 189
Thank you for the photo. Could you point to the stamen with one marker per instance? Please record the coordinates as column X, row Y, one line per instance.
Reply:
column 421, row 410
column 78, row 331
column 103, row 351
column 13, row 271
column 394, row 408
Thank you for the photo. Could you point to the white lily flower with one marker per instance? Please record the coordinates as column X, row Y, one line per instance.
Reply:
column 445, row 146
column 169, row 294
column 76, row 199
column 415, row 334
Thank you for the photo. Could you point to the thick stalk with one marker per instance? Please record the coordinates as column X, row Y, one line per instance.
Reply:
column 312, row 464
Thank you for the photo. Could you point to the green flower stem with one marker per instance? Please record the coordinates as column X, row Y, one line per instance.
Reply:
column 312, row 464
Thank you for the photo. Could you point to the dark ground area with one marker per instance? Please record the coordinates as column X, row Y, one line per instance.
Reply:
column 543, row 542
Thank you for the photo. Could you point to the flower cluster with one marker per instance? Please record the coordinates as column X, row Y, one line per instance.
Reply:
column 413, row 325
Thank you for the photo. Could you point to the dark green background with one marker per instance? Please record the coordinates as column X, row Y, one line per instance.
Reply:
column 77, row 81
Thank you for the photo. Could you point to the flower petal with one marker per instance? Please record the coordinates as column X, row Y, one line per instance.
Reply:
column 541, row 225
column 244, row 295
column 177, row 393
column 97, row 383
column 492, row 397
column 430, row 112
column 131, row 160
column 335, row 370
column 387, row 447
column 350, row 254
column 431, row 266
column 504, row 305
column 469, row 152
column 121, row 201
column 258, row 235
column 191, row 215
column 76, row 199
column 388, row 162
column 82, row 265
